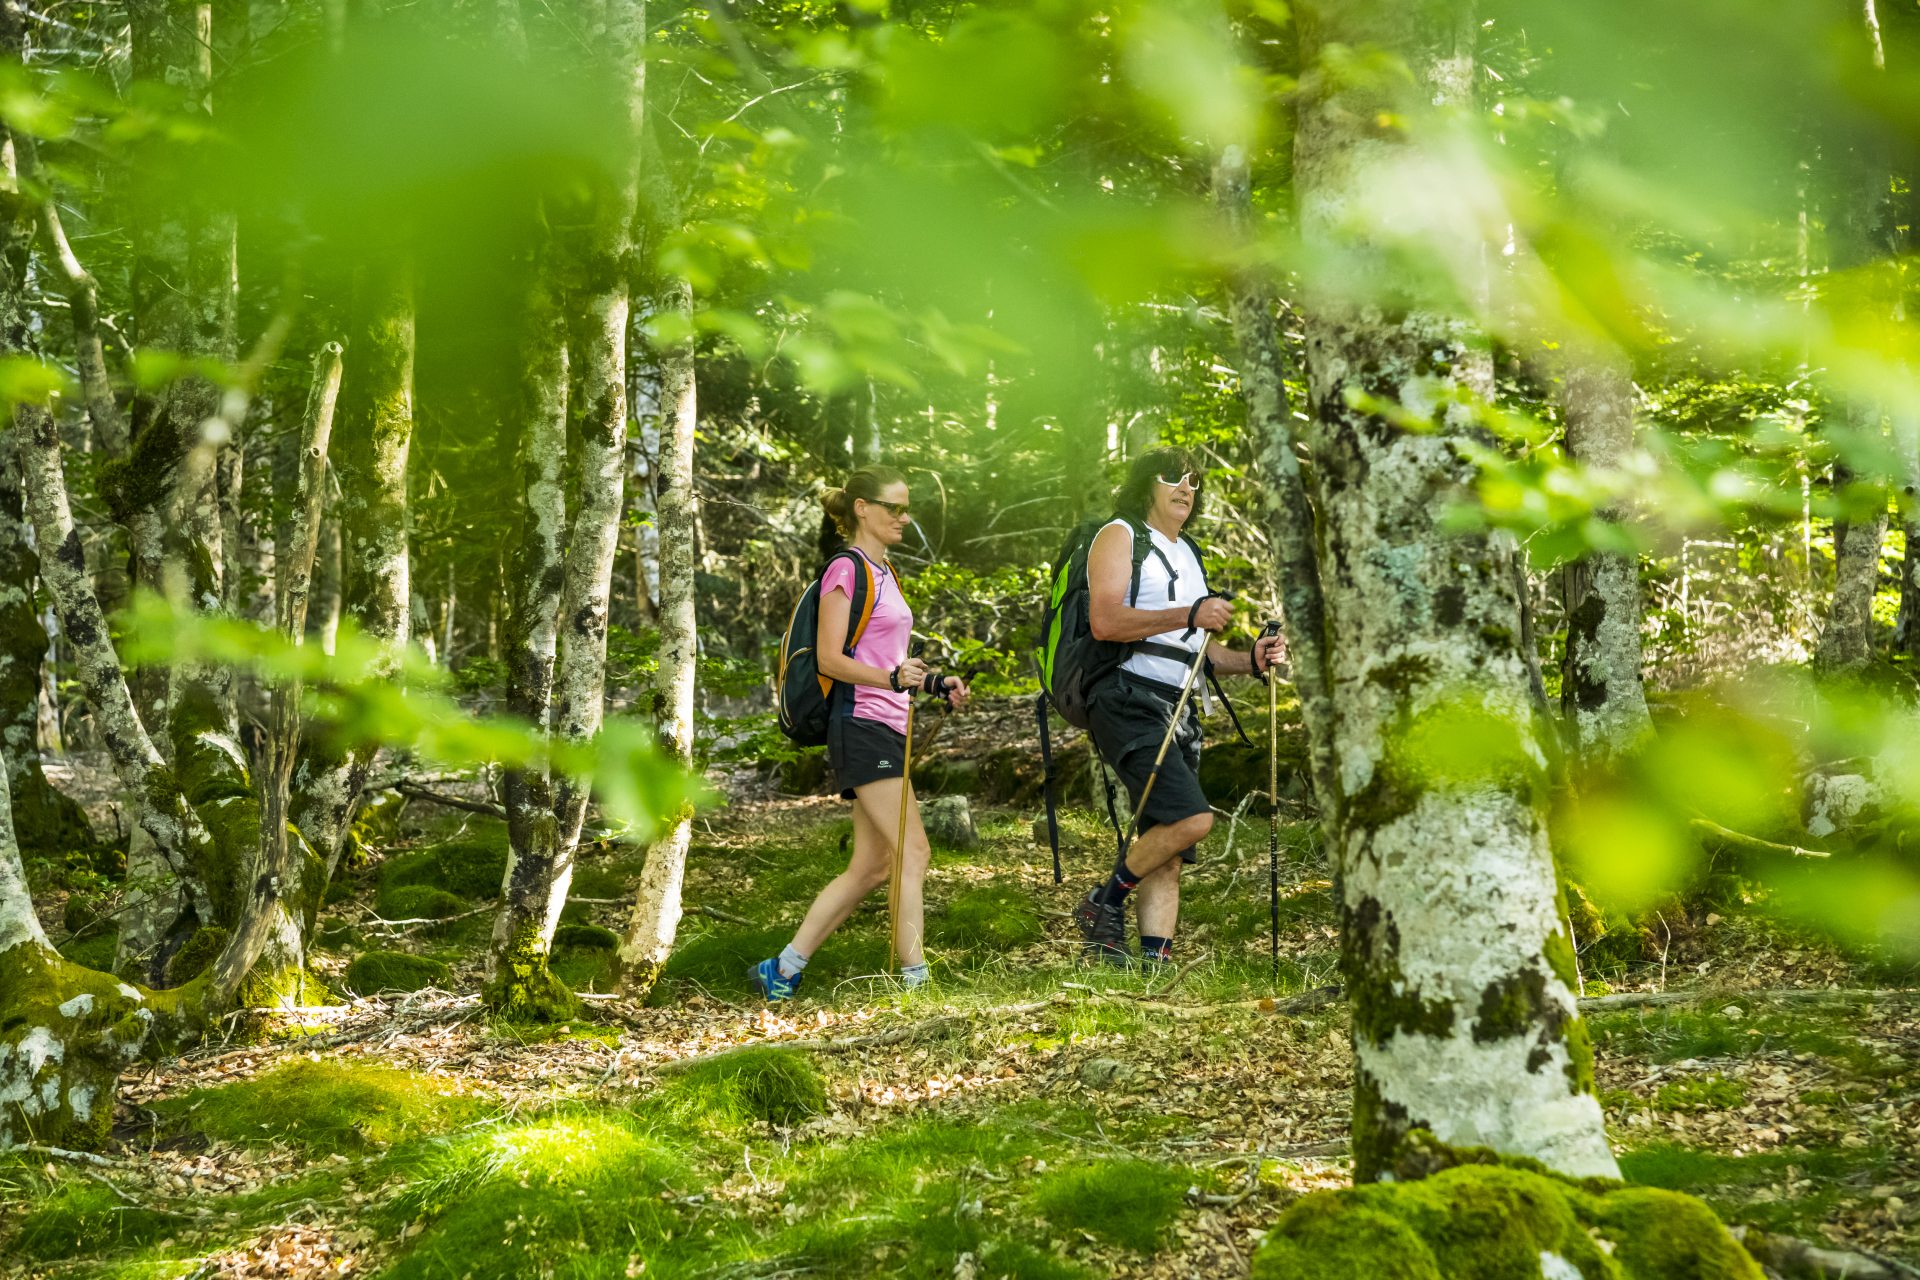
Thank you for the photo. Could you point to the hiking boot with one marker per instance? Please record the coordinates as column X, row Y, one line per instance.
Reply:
column 773, row 987
column 1104, row 926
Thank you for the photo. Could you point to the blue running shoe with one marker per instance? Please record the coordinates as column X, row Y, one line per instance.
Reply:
column 766, row 976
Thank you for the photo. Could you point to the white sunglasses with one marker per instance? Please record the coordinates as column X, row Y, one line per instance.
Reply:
column 1187, row 478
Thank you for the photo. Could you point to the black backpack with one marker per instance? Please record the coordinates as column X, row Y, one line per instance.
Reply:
column 804, row 696
column 1072, row 660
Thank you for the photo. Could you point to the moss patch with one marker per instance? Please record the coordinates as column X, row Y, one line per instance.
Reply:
column 196, row 955
column 328, row 1106
column 1496, row 1223
column 1129, row 1202
column 993, row 918
column 468, row 868
column 395, row 971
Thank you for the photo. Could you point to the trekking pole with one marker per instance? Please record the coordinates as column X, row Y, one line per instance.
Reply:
column 1046, row 772
column 1173, row 727
column 1273, row 808
column 900, row 839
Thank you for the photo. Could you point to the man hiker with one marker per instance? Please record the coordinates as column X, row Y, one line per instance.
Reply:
column 1167, row 622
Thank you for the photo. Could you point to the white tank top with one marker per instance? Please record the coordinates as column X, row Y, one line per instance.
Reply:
column 1159, row 590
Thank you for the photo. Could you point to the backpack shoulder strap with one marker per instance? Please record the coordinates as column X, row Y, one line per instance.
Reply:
column 866, row 594
column 1143, row 546
column 1198, row 557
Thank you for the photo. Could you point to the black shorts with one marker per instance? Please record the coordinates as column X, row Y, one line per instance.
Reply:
column 862, row 751
column 1128, row 716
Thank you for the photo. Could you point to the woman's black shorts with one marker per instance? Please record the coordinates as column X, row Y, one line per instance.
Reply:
column 1128, row 717
column 862, row 751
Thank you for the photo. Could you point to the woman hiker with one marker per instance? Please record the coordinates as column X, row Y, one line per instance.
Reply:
column 1169, row 620
column 866, row 738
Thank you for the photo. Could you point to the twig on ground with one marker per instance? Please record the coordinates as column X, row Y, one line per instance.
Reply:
column 1790, row 995
column 415, row 922
column 418, row 792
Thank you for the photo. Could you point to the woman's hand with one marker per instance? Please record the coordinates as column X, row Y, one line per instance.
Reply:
column 956, row 692
column 909, row 674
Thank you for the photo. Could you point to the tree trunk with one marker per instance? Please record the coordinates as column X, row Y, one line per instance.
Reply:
column 1847, row 640
column 657, row 906
column 44, row 819
column 516, row 959
column 1459, row 972
column 1602, row 696
column 596, row 262
column 66, row 1033
column 265, row 965
column 370, row 458
column 1290, row 521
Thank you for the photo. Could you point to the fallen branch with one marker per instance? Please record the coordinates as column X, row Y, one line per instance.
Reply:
column 712, row 913
column 418, row 792
column 1810, row 995
column 1745, row 843
column 1803, row 1260
column 61, row 1153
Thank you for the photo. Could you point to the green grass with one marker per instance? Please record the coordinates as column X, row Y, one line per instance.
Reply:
column 1726, row 1181
column 1713, row 1093
column 1673, row 1035
column 746, row 1087
column 1128, row 1202
column 570, row 1193
column 85, row 1217
column 328, row 1106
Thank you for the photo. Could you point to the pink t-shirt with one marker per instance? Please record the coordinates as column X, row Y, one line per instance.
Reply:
column 883, row 644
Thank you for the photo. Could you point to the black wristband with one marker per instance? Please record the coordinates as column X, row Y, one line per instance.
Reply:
column 932, row 682
column 1194, row 610
column 893, row 679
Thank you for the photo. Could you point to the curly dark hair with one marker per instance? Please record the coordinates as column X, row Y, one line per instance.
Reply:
column 1134, row 497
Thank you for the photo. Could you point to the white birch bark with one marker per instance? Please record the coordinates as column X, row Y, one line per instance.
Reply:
column 369, row 455
column 599, row 260
column 1458, row 969
column 1603, row 697
column 657, row 904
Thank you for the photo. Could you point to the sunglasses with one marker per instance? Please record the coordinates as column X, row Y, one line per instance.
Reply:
column 1187, row 478
column 898, row 510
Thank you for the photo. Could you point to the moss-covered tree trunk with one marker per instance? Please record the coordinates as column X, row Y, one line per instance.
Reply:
column 369, row 455
column 1602, row 695
column 657, row 904
column 66, row 1033
column 1459, row 972
column 1290, row 521
column 594, row 258
column 44, row 819
column 1847, row 639
column 515, row 960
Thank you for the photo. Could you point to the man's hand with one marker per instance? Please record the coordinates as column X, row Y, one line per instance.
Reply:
column 1268, row 650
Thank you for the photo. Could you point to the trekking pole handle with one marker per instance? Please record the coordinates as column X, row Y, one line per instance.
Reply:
column 1272, row 628
column 1192, row 626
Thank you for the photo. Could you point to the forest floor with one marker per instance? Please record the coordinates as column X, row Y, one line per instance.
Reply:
column 1025, row 1117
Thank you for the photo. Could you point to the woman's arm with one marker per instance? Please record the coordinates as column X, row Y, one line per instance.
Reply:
column 1110, row 573
column 836, row 616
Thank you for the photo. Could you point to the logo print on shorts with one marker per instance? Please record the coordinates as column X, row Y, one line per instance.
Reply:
column 884, row 764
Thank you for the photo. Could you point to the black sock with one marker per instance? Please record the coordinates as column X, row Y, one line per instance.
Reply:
column 1118, row 886
column 1152, row 948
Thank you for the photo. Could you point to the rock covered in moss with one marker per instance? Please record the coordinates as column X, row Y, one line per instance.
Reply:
column 949, row 822
column 588, row 936
column 394, row 971
column 1492, row 1222
column 419, row 902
